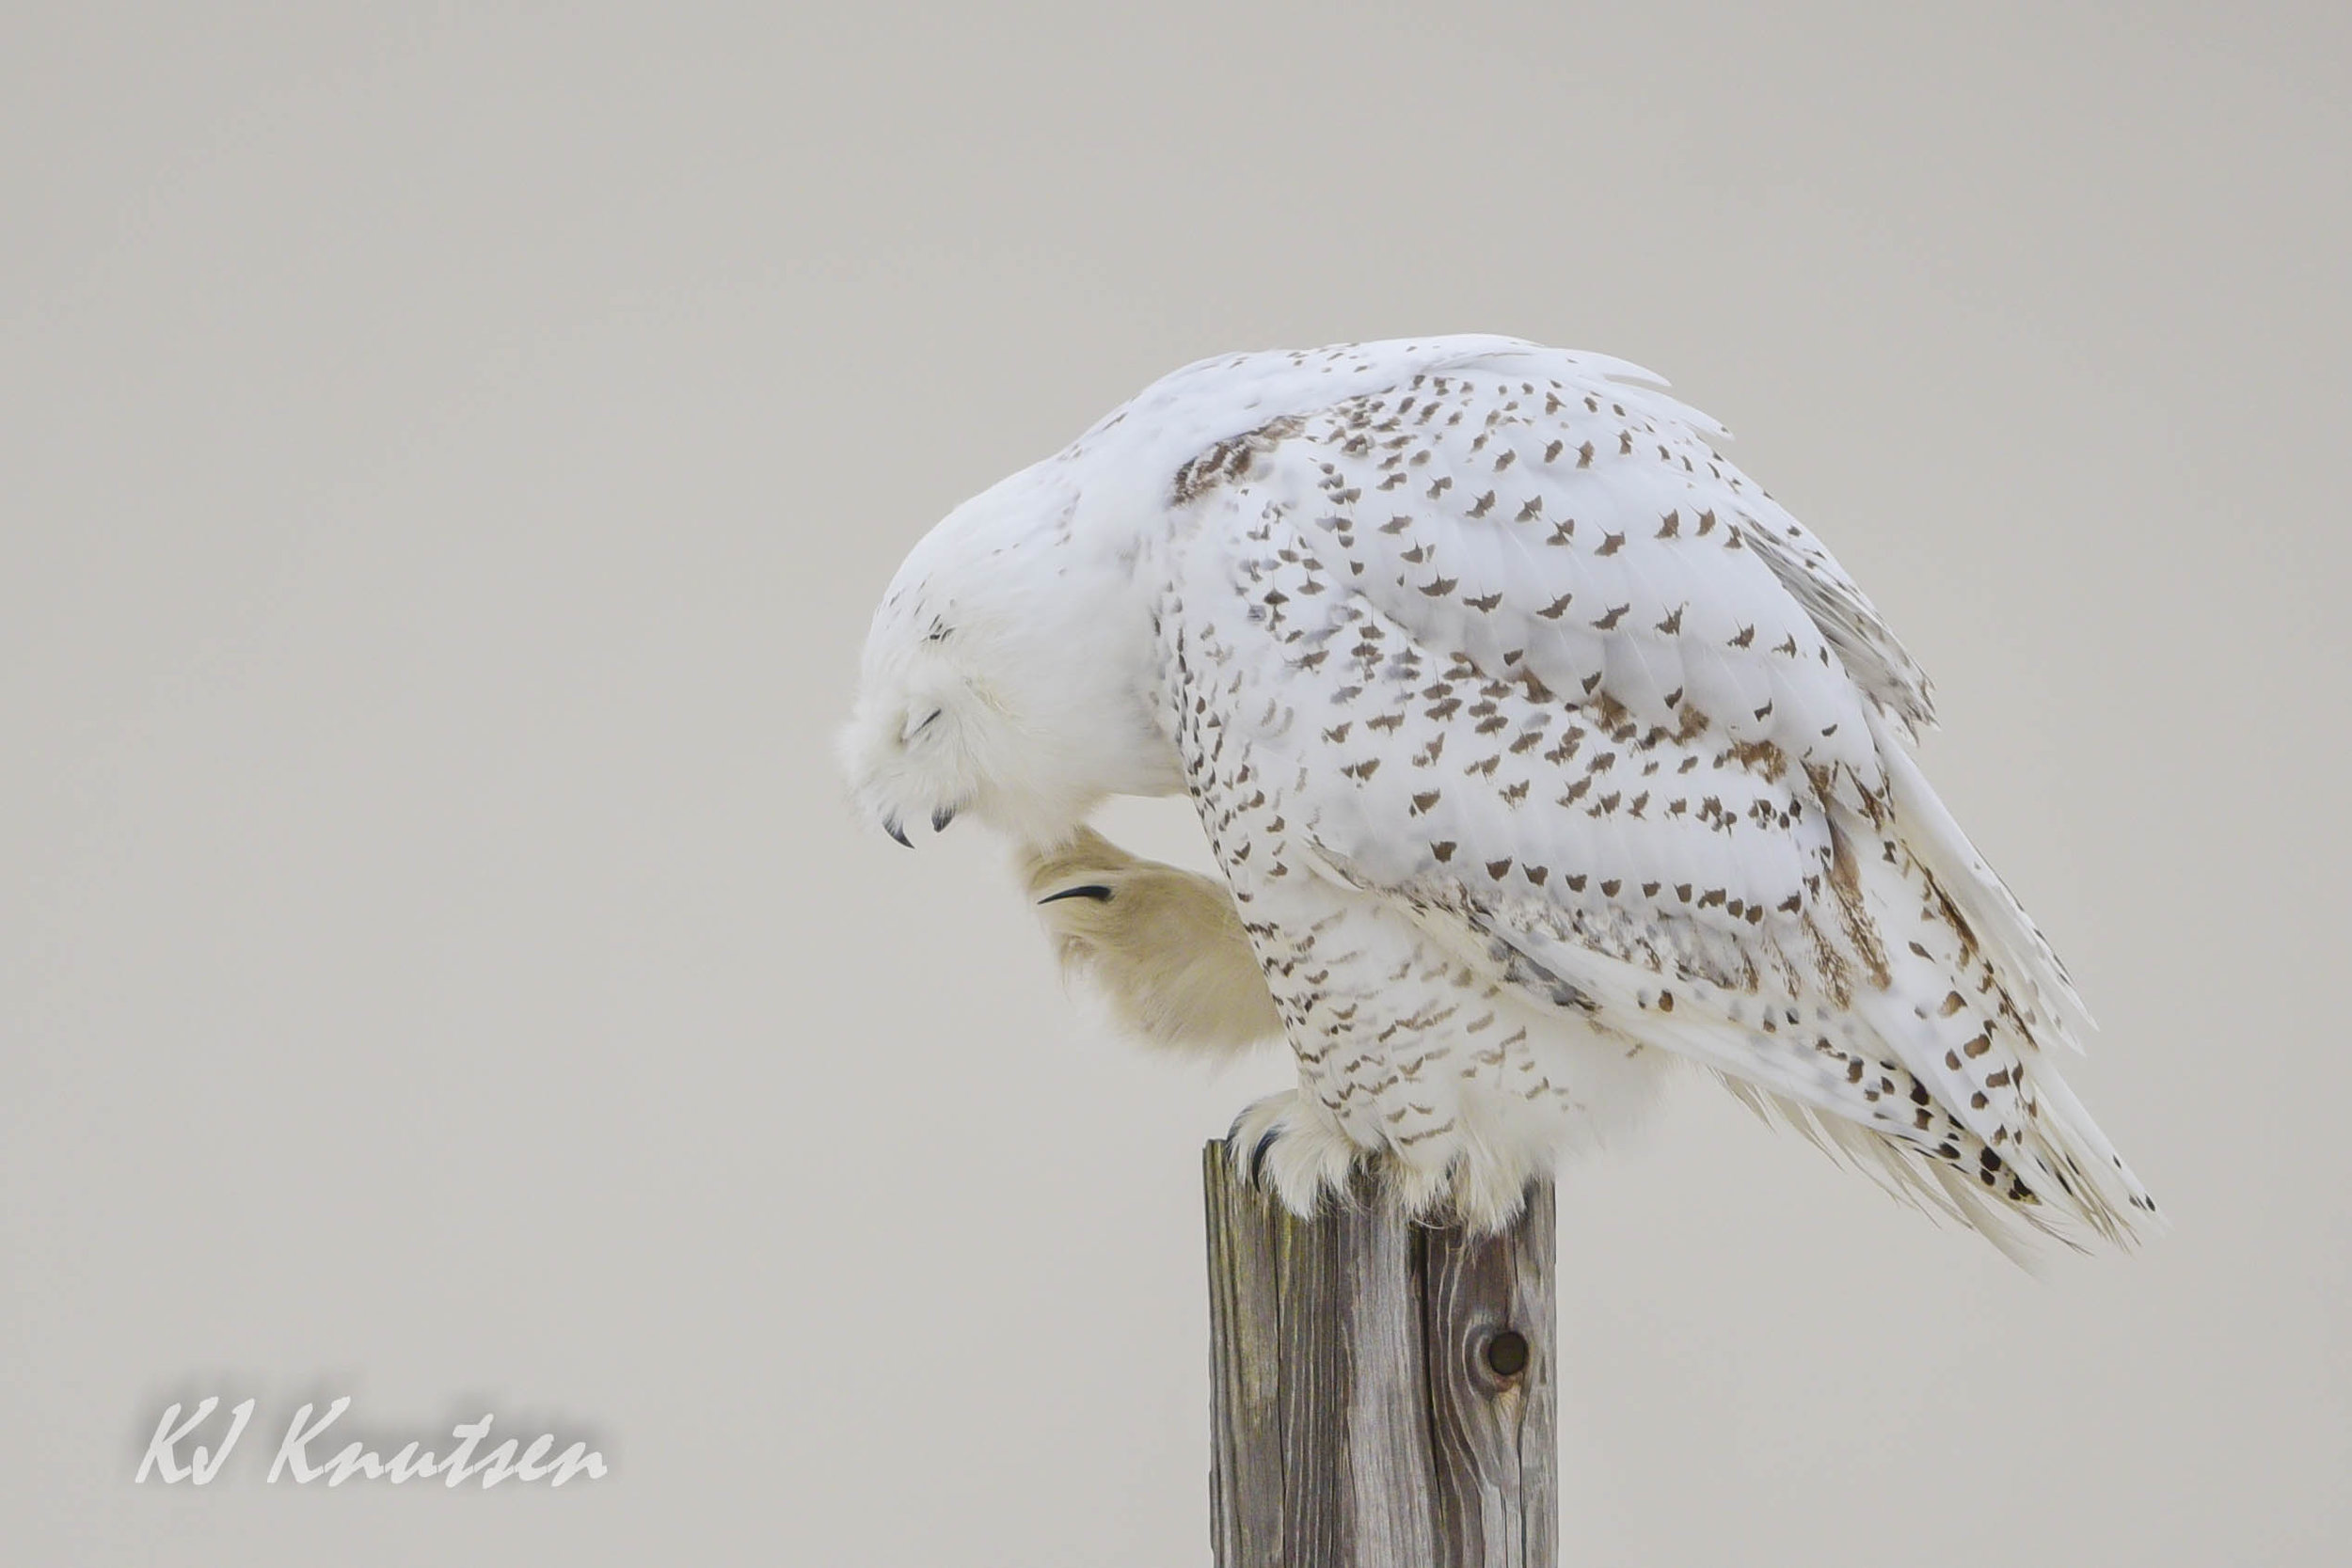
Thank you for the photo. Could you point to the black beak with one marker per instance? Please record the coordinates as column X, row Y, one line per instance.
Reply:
column 1095, row 891
column 890, row 826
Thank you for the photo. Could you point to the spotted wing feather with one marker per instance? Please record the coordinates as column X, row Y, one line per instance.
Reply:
column 1567, row 687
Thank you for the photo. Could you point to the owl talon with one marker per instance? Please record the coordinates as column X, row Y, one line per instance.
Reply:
column 1257, row 1157
column 1095, row 891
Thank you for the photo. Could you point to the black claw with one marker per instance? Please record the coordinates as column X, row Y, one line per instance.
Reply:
column 940, row 818
column 890, row 826
column 1257, row 1155
column 1246, row 1165
column 1095, row 891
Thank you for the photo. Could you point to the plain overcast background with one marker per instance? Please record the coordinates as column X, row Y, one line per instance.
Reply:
column 448, row 458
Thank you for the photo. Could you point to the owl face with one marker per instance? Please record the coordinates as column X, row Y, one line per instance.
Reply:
column 990, row 689
column 917, row 746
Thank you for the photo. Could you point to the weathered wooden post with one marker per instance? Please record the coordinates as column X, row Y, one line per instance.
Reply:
column 1381, row 1390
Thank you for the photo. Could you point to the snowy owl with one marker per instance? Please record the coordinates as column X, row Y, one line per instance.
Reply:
column 1538, row 749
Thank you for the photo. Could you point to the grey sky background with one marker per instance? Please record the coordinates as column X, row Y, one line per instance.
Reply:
column 449, row 456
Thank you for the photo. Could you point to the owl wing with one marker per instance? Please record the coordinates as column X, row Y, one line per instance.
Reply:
column 1565, row 685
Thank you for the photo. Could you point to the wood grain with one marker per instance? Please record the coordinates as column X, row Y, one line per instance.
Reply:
column 1357, row 1415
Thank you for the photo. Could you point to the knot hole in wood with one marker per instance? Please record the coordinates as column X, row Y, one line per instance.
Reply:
column 1507, row 1354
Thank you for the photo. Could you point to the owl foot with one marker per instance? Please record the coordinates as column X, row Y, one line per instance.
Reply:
column 1162, row 947
column 1289, row 1145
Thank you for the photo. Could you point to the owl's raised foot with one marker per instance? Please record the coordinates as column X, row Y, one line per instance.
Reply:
column 1164, row 947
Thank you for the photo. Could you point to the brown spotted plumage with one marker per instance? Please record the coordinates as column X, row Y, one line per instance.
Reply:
column 1575, row 757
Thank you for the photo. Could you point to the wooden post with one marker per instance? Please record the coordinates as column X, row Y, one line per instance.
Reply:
column 1381, row 1390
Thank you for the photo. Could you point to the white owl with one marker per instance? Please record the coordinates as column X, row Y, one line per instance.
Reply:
column 1538, row 748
